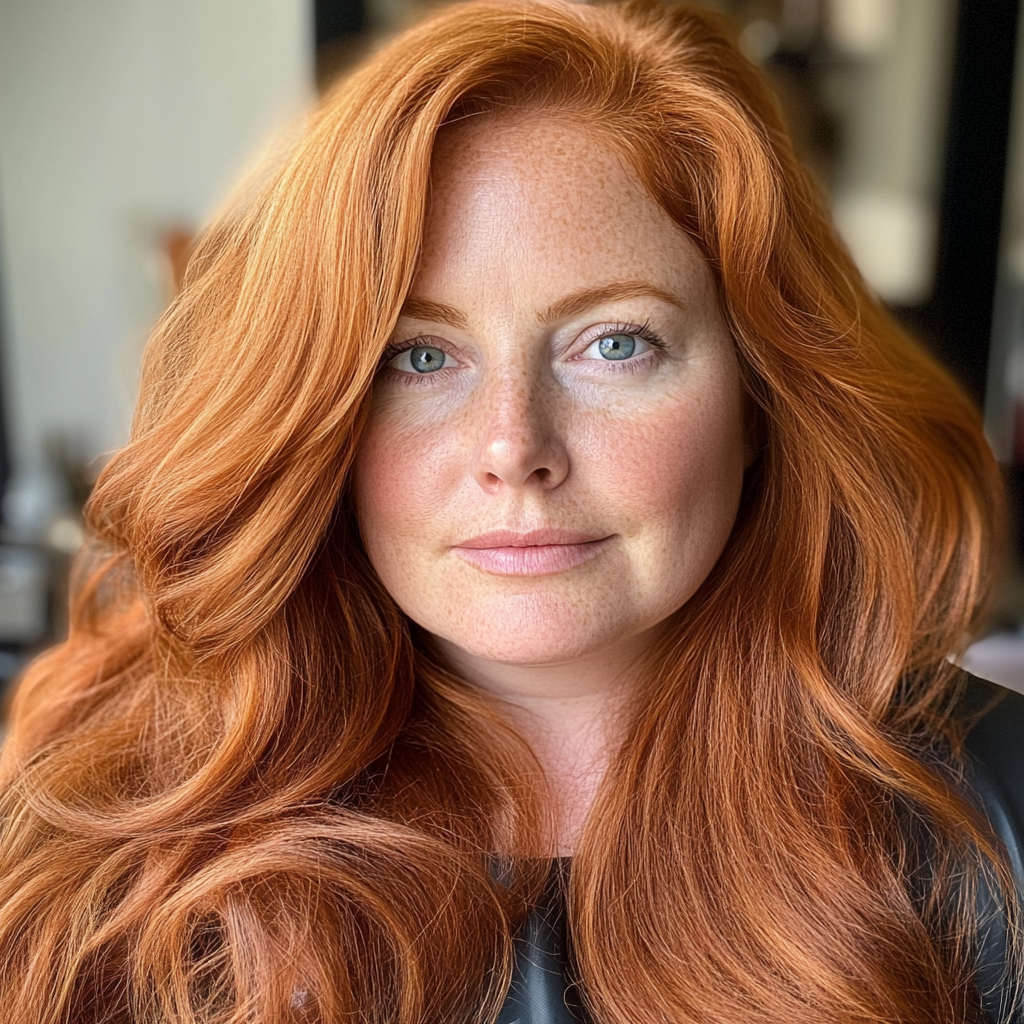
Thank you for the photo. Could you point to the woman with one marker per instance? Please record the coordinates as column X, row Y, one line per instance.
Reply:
column 524, row 472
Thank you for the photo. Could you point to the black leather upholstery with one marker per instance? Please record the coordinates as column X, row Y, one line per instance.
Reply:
column 541, row 993
column 995, row 771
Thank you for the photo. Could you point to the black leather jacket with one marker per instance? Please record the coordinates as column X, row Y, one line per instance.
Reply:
column 540, row 993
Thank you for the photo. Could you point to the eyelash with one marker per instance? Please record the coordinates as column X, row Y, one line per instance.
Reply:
column 642, row 331
column 413, row 379
column 397, row 348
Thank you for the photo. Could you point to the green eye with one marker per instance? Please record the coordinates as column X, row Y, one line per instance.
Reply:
column 426, row 358
column 617, row 346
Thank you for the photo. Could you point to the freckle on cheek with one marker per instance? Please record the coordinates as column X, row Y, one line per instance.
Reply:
column 398, row 478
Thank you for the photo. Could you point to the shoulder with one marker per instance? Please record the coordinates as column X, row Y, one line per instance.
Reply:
column 993, row 719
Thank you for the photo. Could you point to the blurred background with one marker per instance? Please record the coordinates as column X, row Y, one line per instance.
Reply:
column 123, row 123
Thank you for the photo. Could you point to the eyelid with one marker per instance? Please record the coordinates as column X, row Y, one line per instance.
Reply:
column 396, row 348
column 643, row 331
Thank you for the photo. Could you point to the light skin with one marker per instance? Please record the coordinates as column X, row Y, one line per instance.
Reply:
column 555, row 450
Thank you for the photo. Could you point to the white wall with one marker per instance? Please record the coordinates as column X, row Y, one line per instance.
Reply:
column 119, row 118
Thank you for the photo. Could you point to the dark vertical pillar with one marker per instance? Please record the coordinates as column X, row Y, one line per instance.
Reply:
column 959, row 316
column 335, row 19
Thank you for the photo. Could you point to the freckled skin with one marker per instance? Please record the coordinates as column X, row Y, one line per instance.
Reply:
column 517, row 431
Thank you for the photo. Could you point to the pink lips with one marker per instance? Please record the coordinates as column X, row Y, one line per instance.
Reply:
column 534, row 553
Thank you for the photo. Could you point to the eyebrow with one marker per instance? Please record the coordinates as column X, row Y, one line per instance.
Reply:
column 570, row 305
column 587, row 298
column 436, row 312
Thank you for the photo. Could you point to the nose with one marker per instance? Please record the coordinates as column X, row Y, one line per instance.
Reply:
column 520, row 444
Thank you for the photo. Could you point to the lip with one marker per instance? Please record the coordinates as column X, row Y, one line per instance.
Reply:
column 531, row 538
column 538, row 552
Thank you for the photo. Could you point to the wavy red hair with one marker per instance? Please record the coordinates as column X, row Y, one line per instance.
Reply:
column 243, row 791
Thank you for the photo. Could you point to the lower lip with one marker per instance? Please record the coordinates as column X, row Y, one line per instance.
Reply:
column 536, row 560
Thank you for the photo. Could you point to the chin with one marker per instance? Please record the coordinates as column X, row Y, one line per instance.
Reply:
column 525, row 651
column 528, row 630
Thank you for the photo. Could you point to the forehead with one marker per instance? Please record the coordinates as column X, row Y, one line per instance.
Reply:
column 537, row 198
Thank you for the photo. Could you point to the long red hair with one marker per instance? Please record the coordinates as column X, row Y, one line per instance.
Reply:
column 243, row 790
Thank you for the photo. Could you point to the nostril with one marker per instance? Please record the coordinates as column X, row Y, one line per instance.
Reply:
column 520, row 457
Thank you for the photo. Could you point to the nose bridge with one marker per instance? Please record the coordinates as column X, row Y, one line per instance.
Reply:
column 520, row 441
column 514, row 401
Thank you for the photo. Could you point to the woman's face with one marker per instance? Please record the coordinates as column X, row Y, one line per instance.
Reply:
column 554, row 455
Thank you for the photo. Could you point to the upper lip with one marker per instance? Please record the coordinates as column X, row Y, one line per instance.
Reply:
column 529, row 538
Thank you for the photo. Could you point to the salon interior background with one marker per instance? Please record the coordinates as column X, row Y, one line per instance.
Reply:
column 123, row 123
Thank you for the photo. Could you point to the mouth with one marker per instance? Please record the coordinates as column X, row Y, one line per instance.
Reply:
column 533, row 553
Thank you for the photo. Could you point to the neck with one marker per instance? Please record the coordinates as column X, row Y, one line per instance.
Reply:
column 572, row 716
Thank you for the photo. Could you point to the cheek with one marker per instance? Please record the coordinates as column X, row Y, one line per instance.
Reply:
column 401, row 473
column 676, row 474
